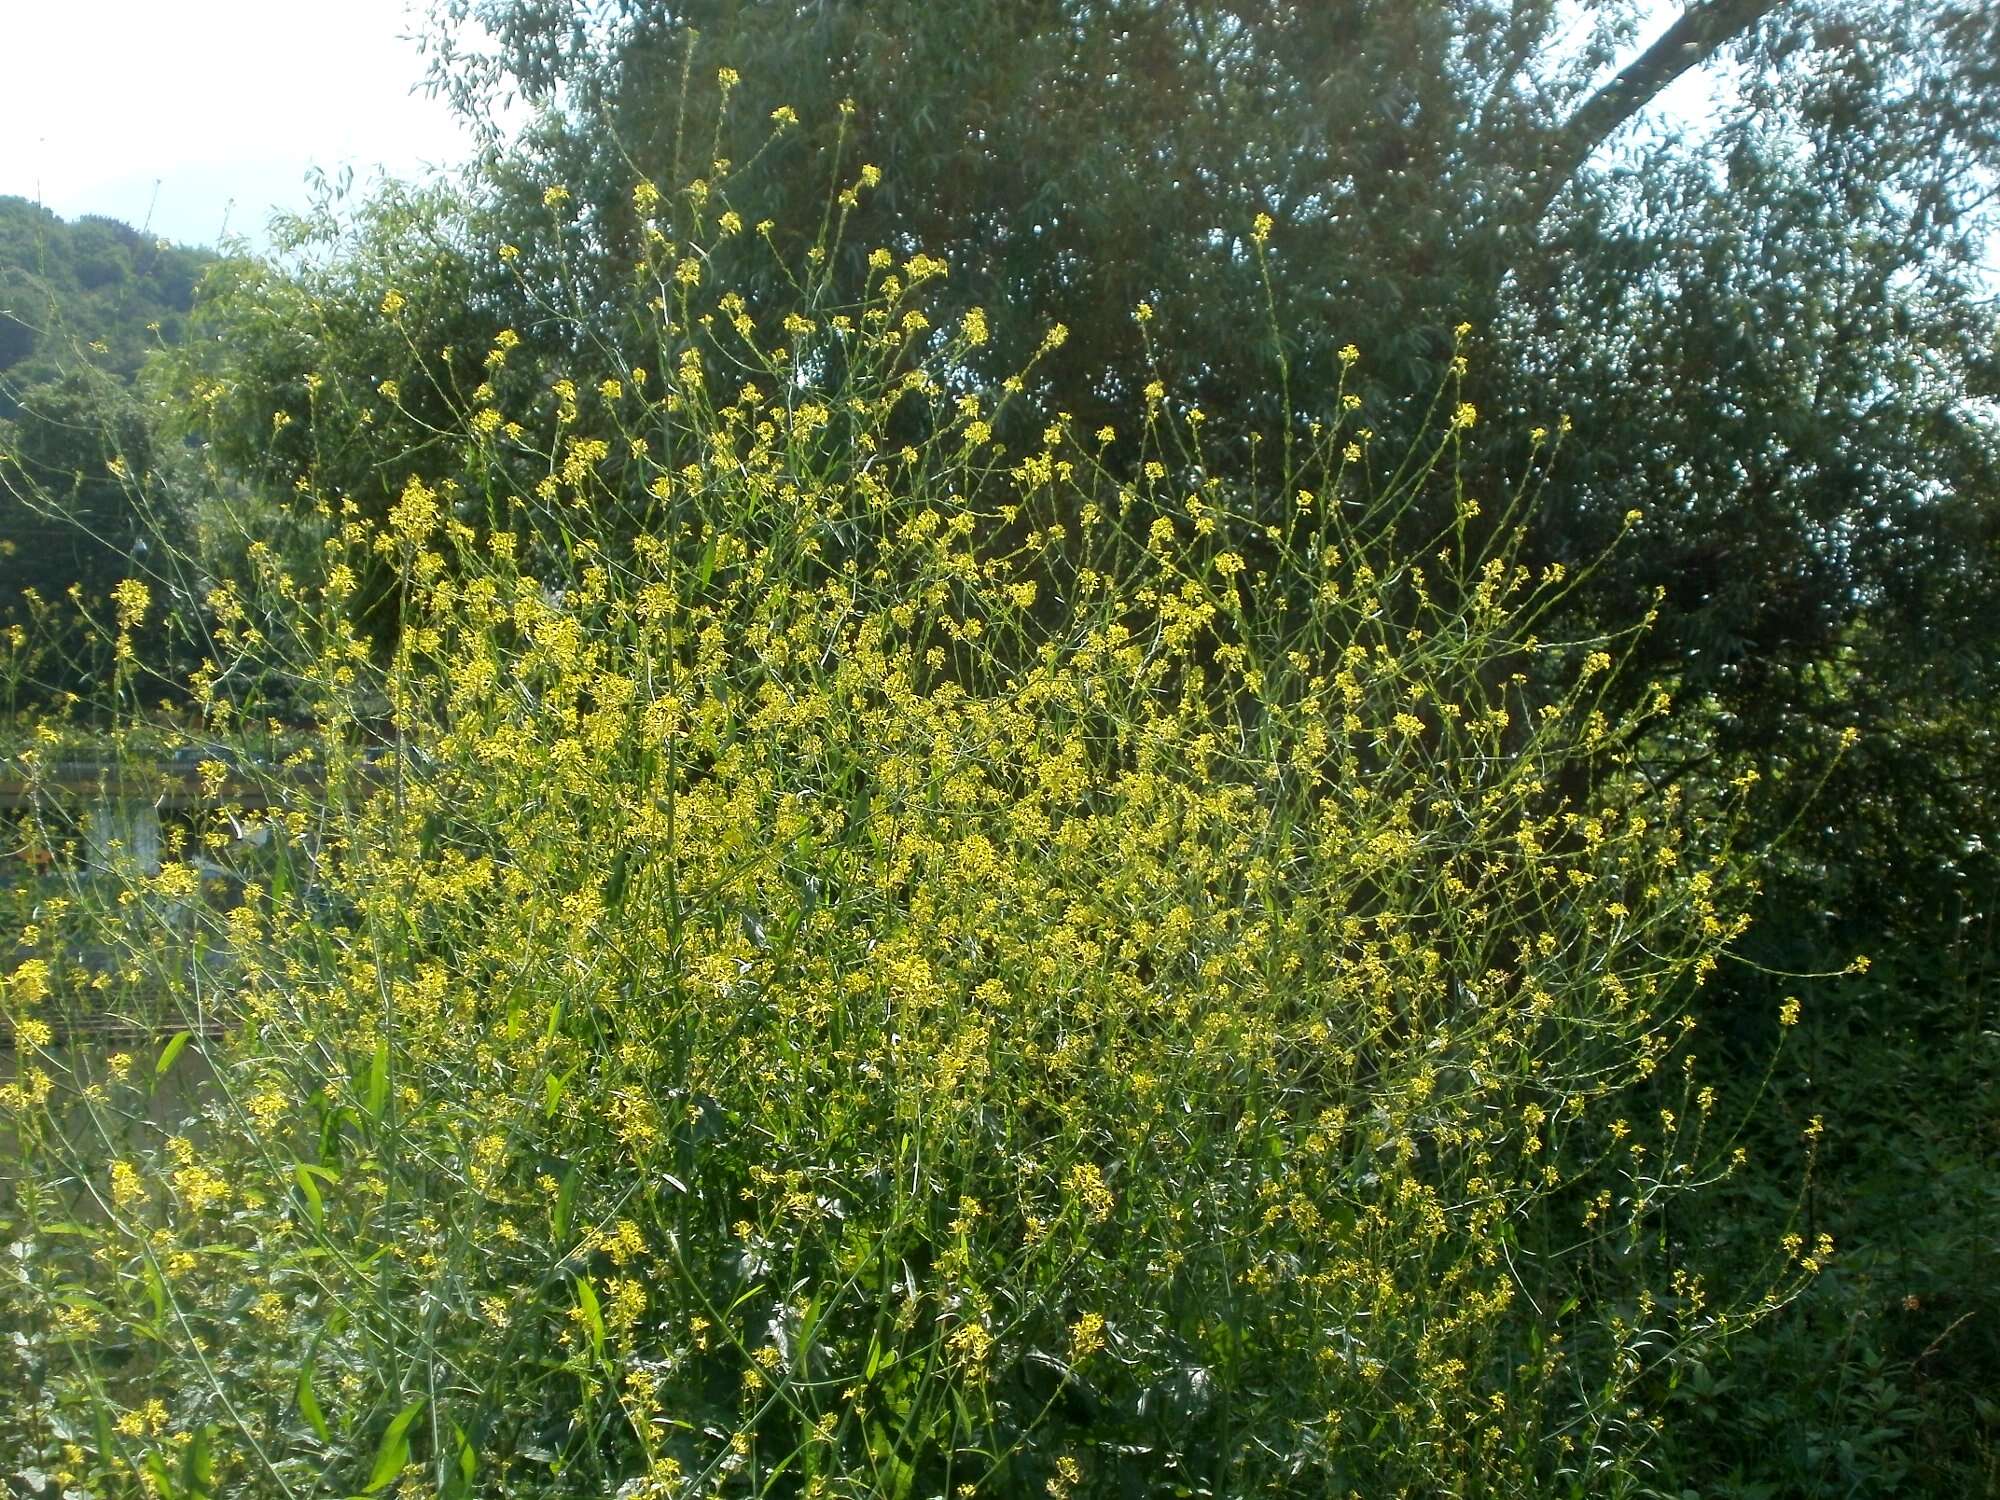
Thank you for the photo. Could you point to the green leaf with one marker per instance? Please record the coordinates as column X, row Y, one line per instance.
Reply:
column 593, row 1315
column 552, row 1092
column 315, row 1205
column 394, row 1450
column 565, row 1201
column 167, row 1488
column 156, row 1290
column 378, row 1080
column 309, row 1405
column 169, row 1052
column 614, row 884
column 467, row 1468
column 881, row 1360
column 198, row 1465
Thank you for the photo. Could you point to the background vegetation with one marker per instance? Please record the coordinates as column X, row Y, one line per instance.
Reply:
column 1773, row 336
column 82, row 306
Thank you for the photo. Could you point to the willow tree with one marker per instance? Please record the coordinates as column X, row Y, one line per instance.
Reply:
column 1743, row 242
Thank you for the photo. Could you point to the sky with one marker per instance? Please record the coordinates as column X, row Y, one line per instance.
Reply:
column 192, row 118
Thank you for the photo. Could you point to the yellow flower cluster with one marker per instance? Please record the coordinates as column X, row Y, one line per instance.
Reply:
column 790, row 935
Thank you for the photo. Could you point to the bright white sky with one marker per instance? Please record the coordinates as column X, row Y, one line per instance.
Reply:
column 196, row 116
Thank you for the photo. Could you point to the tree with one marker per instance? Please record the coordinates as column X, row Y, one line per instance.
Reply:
column 1772, row 332
column 82, row 305
column 94, row 291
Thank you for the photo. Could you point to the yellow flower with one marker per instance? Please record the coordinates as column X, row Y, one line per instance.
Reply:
column 132, row 599
column 1260, row 228
column 728, row 78
column 1086, row 1337
column 1788, row 1012
column 970, row 1345
column 1086, row 1184
column 392, row 302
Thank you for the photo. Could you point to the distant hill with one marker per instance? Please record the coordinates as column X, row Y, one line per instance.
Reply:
column 81, row 306
column 65, row 287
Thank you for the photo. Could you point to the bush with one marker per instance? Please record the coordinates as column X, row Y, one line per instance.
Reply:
column 821, row 957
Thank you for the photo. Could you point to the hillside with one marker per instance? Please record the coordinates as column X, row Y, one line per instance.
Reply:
column 66, row 287
column 81, row 306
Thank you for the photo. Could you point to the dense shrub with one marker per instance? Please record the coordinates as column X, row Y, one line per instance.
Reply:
column 825, row 958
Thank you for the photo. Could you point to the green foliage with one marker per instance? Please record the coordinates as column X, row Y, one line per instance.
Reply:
column 76, row 521
column 93, row 282
column 81, row 307
column 1879, row 1382
column 1773, row 330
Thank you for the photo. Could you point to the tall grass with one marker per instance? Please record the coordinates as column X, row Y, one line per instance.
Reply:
column 821, row 957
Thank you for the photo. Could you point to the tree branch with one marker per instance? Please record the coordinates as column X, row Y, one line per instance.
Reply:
column 1703, row 29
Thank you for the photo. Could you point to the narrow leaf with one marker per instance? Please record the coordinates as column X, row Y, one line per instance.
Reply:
column 394, row 1450
column 169, row 1052
column 378, row 1080
column 593, row 1316
column 565, row 1201
column 315, row 1205
column 309, row 1406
